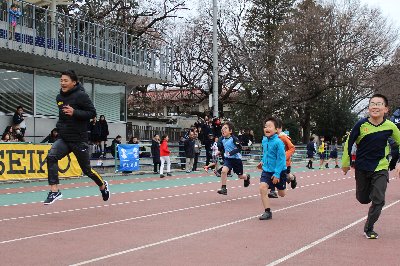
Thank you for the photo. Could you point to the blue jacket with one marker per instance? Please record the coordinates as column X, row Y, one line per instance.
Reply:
column 13, row 15
column 274, row 158
column 231, row 146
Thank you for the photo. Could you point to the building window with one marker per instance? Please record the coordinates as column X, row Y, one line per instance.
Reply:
column 47, row 89
column 16, row 88
column 109, row 101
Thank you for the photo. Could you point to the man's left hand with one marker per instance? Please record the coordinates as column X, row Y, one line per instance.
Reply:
column 68, row 110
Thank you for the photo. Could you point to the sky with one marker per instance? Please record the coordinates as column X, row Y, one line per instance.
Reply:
column 390, row 9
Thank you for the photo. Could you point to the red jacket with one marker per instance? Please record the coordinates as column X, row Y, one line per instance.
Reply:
column 164, row 149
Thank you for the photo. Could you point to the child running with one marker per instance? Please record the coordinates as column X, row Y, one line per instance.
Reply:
column 310, row 152
column 321, row 152
column 289, row 150
column 273, row 165
column 333, row 155
column 371, row 166
column 232, row 158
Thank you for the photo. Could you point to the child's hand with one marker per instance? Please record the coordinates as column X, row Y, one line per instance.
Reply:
column 275, row 180
column 259, row 165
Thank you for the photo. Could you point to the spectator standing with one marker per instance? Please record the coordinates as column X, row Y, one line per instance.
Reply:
column 52, row 137
column 103, row 134
column 94, row 128
column 182, row 152
column 13, row 15
column 155, row 152
column 310, row 152
column 197, row 150
column 208, row 143
column 189, row 152
column 164, row 156
column 19, row 121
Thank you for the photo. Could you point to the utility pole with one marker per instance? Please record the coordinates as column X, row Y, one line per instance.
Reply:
column 215, row 59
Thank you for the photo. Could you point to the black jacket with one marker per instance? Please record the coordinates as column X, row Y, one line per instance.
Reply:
column 74, row 128
column 189, row 148
column 155, row 151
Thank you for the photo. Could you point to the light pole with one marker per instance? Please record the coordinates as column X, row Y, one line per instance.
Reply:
column 215, row 59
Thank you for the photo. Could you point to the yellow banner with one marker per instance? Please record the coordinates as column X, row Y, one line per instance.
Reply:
column 27, row 161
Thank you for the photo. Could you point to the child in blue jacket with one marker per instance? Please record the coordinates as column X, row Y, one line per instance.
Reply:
column 273, row 165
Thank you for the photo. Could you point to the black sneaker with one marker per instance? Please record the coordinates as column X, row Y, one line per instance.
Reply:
column 105, row 192
column 222, row 191
column 337, row 166
column 169, row 174
column 326, row 165
column 293, row 182
column 272, row 195
column 246, row 182
column 162, row 176
column 266, row 216
column 52, row 197
column 371, row 234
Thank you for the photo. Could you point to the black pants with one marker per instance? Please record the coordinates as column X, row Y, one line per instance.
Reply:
column 60, row 149
column 208, row 157
column 157, row 166
column 196, row 159
column 371, row 187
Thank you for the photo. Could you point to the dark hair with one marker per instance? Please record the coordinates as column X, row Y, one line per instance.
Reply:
column 53, row 130
column 163, row 137
column 230, row 125
column 118, row 136
column 155, row 135
column 102, row 116
column 280, row 123
column 71, row 74
column 378, row 95
column 273, row 120
column 7, row 130
column 334, row 140
column 19, row 107
column 14, row 5
column 311, row 138
column 3, row 137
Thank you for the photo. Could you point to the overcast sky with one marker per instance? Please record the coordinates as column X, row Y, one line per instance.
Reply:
column 390, row 8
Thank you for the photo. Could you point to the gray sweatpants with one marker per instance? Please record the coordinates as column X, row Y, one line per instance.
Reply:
column 371, row 187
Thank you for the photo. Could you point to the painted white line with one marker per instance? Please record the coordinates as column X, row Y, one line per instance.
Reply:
column 202, row 231
column 319, row 241
column 136, row 201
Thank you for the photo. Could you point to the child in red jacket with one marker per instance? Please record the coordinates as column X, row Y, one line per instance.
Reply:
column 164, row 156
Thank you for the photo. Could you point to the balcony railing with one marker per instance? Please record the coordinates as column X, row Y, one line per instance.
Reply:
column 41, row 27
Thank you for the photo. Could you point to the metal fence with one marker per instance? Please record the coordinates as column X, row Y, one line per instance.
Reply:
column 51, row 30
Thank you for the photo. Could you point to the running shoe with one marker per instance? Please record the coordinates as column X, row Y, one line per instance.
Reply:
column 246, row 182
column 222, row 191
column 266, row 216
column 52, row 197
column 162, row 176
column 272, row 195
column 371, row 234
column 105, row 193
column 169, row 174
column 293, row 182
column 326, row 165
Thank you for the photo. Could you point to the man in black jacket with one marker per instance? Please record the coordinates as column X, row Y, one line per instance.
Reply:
column 75, row 109
column 189, row 152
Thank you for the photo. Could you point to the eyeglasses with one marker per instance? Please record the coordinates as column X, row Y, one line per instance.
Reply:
column 378, row 104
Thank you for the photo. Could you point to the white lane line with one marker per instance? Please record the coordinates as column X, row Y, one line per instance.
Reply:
column 136, row 201
column 127, row 219
column 202, row 231
column 319, row 241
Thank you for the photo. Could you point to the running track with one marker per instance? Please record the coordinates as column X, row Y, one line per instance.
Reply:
column 181, row 220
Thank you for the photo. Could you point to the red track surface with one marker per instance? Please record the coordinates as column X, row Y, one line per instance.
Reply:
column 193, row 225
